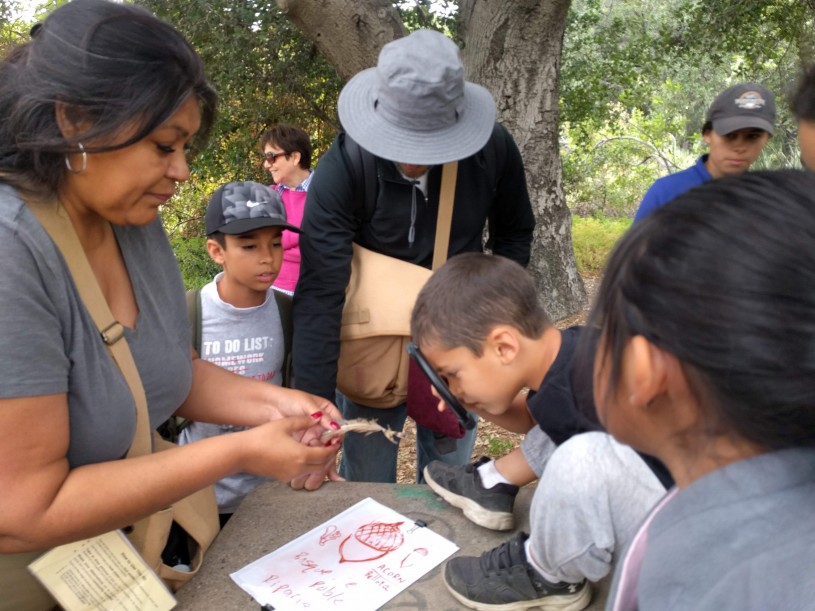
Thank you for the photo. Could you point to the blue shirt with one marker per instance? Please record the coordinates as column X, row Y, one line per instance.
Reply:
column 669, row 187
column 303, row 186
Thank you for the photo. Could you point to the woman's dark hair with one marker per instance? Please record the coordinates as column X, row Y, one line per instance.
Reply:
column 290, row 139
column 723, row 277
column 803, row 100
column 116, row 68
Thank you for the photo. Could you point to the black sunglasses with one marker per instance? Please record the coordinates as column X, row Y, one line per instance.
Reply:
column 272, row 157
column 464, row 417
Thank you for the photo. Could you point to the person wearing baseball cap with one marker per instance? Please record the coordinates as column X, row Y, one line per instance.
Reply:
column 243, row 319
column 378, row 186
column 738, row 124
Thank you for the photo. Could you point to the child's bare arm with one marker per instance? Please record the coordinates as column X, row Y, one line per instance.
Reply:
column 515, row 419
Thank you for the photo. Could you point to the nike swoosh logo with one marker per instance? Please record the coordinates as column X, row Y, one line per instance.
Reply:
column 251, row 204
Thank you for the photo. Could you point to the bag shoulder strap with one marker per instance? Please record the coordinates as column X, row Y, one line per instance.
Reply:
column 194, row 316
column 56, row 222
column 444, row 220
column 284, row 306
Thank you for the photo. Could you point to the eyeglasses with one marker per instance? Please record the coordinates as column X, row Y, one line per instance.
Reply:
column 272, row 157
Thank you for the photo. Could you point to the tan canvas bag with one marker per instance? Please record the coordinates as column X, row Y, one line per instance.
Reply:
column 197, row 514
column 373, row 365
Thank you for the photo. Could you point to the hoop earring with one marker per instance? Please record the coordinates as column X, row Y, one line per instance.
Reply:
column 84, row 160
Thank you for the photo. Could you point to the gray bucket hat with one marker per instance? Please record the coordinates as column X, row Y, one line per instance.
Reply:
column 742, row 106
column 240, row 207
column 415, row 106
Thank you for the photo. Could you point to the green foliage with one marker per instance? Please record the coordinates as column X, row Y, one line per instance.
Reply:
column 622, row 50
column 593, row 239
column 266, row 72
column 429, row 14
column 607, row 171
column 196, row 266
column 498, row 447
column 17, row 17
column 759, row 33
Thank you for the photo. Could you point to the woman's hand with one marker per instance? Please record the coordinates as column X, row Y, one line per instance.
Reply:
column 324, row 416
column 277, row 449
column 289, row 402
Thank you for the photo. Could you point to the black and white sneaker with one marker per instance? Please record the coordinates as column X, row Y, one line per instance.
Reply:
column 460, row 485
column 503, row 580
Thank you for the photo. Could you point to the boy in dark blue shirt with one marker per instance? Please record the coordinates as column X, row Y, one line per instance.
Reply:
column 737, row 126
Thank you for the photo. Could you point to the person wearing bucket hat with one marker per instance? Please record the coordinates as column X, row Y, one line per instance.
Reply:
column 803, row 108
column 738, row 124
column 378, row 185
column 242, row 324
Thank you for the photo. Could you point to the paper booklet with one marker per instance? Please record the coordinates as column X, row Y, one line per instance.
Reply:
column 102, row 573
column 358, row 561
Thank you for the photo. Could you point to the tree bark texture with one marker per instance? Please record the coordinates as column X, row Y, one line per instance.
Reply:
column 349, row 33
column 511, row 47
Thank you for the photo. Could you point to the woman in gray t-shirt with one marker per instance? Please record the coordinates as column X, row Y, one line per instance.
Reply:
column 97, row 113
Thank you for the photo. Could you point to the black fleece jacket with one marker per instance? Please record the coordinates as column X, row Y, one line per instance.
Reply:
column 334, row 218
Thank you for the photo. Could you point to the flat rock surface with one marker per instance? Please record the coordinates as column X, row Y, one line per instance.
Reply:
column 273, row 515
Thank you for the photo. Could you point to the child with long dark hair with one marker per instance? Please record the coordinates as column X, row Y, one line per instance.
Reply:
column 707, row 361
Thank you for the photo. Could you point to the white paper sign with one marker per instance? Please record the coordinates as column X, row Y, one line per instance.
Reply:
column 357, row 561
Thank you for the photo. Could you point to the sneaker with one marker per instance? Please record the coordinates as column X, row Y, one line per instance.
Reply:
column 460, row 485
column 502, row 580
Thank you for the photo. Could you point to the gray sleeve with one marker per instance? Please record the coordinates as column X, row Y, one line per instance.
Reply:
column 32, row 341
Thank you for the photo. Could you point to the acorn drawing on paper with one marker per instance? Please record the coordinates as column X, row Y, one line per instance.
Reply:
column 407, row 561
column 371, row 542
column 331, row 533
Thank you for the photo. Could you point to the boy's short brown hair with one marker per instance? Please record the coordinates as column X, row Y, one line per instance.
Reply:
column 469, row 295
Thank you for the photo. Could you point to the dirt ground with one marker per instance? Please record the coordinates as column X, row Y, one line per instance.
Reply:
column 492, row 440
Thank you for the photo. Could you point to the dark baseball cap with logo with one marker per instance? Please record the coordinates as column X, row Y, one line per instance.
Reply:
column 742, row 106
column 241, row 207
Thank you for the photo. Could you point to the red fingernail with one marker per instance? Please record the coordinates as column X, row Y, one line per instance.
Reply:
column 334, row 426
column 329, row 442
column 317, row 415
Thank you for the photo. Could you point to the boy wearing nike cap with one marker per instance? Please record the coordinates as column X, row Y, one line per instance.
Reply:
column 241, row 325
column 738, row 124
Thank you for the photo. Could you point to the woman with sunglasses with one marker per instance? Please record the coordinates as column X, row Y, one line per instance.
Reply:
column 287, row 157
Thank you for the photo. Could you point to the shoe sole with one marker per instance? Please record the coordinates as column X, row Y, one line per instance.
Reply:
column 472, row 510
column 570, row 602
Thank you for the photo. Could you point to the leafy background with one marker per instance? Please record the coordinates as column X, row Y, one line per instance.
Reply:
column 636, row 79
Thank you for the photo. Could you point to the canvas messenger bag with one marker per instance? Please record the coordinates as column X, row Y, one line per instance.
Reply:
column 196, row 516
column 373, row 364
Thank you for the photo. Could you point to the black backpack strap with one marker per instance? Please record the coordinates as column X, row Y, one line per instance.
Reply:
column 284, row 306
column 361, row 166
column 172, row 427
column 194, row 316
column 494, row 157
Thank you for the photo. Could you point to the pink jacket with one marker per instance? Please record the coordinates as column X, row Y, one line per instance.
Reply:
column 295, row 203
